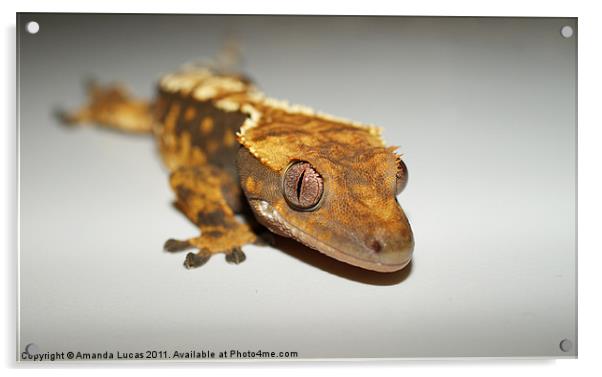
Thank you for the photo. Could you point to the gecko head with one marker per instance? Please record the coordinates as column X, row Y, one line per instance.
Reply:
column 339, row 201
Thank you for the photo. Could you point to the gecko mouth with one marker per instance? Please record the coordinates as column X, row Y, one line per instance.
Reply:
column 272, row 219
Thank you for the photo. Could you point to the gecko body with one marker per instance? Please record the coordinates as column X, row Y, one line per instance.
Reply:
column 326, row 182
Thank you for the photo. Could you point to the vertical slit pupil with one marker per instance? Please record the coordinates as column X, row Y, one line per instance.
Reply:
column 299, row 185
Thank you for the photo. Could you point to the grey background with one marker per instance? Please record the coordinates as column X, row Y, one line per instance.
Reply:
column 484, row 111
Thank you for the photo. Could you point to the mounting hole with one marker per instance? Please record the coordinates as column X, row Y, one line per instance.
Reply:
column 566, row 345
column 32, row 27
column 566, row 31
column 32, row 349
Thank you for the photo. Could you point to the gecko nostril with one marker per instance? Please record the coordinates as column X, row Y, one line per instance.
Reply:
column 376, row 246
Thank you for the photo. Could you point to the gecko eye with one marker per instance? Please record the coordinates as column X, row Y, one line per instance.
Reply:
column 402, row 177
column 302, row 186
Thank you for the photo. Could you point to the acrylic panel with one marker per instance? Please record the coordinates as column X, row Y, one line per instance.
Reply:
column 482, row 109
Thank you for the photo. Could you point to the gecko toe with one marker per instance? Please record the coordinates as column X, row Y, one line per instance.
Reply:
column 235, row 256
column 265, row 239
column 172, row 245
column 63, row 117
column 196, row 260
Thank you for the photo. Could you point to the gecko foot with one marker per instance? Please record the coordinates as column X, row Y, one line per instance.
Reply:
column 206, row 246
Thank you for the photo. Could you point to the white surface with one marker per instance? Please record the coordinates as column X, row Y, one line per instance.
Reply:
column 487, row 127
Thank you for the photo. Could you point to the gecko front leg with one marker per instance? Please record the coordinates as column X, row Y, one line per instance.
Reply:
column 202, row 195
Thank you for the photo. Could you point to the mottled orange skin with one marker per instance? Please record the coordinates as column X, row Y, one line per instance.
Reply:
column 218, row 134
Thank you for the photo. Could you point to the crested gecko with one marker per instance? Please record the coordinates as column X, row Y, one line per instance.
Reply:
column 326, row 182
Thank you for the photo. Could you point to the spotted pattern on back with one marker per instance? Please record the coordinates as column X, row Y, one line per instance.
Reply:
column 192, row 130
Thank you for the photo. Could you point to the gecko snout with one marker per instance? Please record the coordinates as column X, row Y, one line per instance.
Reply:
column 390, row 250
